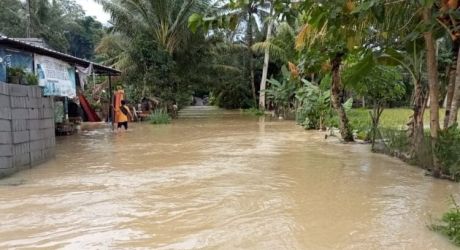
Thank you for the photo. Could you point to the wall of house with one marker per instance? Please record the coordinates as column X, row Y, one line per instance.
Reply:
column 27, row 136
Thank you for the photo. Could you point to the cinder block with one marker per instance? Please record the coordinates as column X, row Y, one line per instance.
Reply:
column 5, row 138
column 5, row 125
column 19, row 114
column 6, row 161
column 48, row 113
column 35, row 134
column 19, row 101
column 50, row 142
column 49, row 153
column 4, row 100
column 6, row 150
column 47, row 102
column 47, row 123
column 33, row 102
column 48, row 132
column 34, row 91
column 18, row 90
column 33, row 124
column 21, row 148
column 34, row 113
column 40, row 156
column 19, row 125
column 4, row 88
column 21, row 160
column 37, row 145
column 5, row 113
column 20, row 136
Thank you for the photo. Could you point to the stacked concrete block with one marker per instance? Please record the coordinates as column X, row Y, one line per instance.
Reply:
column 6, row 136
column 26, row 127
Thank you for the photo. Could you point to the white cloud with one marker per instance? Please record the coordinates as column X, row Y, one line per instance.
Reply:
column 94, row 9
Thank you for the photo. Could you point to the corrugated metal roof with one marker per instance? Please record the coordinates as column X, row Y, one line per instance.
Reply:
column 29, row 47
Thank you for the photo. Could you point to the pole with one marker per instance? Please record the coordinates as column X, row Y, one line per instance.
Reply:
column 29, row 22
column 66, row 109
column 111, row 110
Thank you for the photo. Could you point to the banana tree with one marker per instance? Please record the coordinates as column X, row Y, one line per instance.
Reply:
column 281, row 94
column 334, row 28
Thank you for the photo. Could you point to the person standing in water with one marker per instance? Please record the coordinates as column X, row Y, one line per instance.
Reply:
column 123, row 115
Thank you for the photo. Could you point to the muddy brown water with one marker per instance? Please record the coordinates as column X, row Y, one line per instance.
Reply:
column 230, row 183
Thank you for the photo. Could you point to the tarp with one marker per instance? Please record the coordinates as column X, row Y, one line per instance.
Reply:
column 14, row 58
column 83, row 74
column 57, row 77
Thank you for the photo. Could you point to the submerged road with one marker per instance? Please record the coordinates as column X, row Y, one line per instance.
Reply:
column 222, row 183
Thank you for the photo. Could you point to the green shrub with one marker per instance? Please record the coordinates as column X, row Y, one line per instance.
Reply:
column 31, row 79
column 15, row 75
column 160, row 116
column 254, row 112
column 396, row 140
column 450, row 225
column 447, row 151
column 313, row 111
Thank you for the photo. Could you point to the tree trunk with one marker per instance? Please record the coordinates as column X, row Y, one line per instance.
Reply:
column 375, row 114
column 337, row 97
column 416, row 132
column 250, row 41
column 456, row 95
column 434, row 89
column 449, row 95
column 263, row 82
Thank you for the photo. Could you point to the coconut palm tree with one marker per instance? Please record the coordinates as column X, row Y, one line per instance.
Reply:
column 280, row 47
column 245, row 17
column 164, row 21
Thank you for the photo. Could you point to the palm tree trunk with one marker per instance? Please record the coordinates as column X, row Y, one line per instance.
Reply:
column 263, row 82
column 337, row 97
column 434, row 89
column 250, row 41
column 456, row 95
column 416, row 132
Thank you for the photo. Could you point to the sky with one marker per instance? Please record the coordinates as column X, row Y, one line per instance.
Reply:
column 94, row 9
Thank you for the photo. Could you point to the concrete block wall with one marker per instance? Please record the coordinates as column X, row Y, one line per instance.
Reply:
column 27, row 136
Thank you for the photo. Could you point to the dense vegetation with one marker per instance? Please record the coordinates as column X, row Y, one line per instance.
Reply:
column 62, row 24
column 340, row 54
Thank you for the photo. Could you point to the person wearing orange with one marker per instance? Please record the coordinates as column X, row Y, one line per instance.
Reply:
column 118, row 97
column 123, row 115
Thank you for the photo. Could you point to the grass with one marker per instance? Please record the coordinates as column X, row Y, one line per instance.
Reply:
column 391, row 118
column 254, row 112
column 160, row 116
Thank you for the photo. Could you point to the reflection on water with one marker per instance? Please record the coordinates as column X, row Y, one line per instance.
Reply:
column 219, row 183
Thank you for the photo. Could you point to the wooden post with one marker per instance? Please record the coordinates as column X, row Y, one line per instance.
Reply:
column 111, row 110
column 66, row 109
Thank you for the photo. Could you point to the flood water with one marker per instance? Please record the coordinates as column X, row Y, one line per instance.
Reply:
column 230, row 183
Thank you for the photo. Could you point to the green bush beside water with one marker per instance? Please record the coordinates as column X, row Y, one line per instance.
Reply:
column 450, row 224
column 160, row 116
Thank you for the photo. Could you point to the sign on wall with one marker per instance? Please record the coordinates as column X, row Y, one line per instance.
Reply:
column 57, row 77
column 13, row 58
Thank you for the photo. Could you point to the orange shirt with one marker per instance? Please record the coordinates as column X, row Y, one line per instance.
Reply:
column 122, row 117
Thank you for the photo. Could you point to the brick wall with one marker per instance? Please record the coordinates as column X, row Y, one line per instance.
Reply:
column 26, row 128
